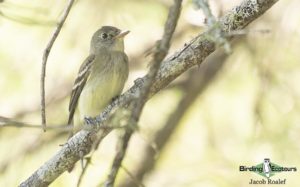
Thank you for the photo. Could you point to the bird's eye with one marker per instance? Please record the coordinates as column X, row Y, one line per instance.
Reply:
column 103, row 35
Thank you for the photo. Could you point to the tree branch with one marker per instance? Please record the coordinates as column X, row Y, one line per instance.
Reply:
column 196, row 83
column 190, row 55
column 138, row 104
column 45, row 58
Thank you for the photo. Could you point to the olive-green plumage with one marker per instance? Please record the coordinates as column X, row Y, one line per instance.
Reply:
column 102, row 75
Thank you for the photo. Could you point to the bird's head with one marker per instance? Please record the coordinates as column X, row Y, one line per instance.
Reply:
column 108, row 38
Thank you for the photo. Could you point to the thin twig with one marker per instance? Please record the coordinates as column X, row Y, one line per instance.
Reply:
column 138, row 104
column 135, row 180
column 51, row 127
column 203, row 4
column 45, row 57
column 88, row 161
column 8, row 122
column 22, row 125
column 217, row 34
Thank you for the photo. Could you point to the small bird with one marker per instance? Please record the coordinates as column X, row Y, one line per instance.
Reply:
column 101, row 77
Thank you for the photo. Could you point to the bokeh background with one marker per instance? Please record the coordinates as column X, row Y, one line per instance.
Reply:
column 246, row 109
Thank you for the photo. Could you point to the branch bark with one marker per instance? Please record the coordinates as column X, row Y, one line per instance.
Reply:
column 190, row 55
column 196, row 83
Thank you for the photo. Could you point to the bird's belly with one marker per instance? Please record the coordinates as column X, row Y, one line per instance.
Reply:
column 97, row 94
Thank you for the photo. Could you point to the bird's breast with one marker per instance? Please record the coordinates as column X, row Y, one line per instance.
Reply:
column 105, row 82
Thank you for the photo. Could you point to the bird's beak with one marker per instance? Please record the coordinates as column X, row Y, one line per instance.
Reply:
column 122, row 34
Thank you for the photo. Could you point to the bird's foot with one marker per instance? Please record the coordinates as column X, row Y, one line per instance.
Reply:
column 114, row 99
column 139, row 82
column 89, row 120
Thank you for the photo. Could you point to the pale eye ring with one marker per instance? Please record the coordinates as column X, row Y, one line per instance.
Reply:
column 103, row 35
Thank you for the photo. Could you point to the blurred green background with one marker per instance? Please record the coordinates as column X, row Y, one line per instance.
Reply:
column 248, row 111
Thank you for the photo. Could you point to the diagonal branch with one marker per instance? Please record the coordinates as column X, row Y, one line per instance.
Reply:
column 45, row 58
column 194, row 86
column 138, row 104
column 190, row 55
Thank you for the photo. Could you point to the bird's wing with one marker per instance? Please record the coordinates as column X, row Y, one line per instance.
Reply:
column 82, row 77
